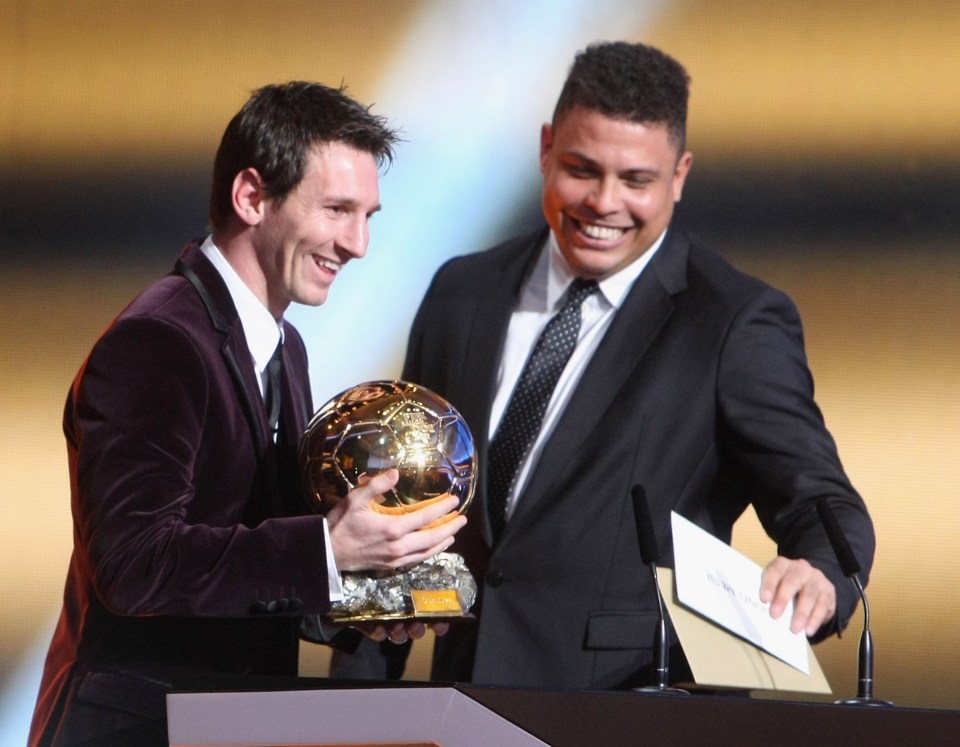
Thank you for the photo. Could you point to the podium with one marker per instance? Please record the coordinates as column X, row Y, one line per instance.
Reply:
column 390, row 716
column 325, row 712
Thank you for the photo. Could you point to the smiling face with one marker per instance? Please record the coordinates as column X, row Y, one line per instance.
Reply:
column 302, row 242
column 609, row 187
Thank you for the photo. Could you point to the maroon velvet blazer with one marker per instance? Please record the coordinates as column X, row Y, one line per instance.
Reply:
column 194, row 551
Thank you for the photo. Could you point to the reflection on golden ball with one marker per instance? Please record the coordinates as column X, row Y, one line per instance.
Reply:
column 382, row 424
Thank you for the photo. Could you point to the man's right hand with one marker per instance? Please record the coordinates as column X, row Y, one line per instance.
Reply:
column 366, row 539
column 402, row 631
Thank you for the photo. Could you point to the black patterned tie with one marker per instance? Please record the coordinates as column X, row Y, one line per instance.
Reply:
column 521, row 420
column 274, row 393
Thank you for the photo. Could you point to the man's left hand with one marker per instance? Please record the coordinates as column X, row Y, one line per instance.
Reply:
column 814, row 598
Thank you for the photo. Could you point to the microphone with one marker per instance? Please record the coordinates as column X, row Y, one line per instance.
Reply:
column 851, row 567
column 650, row 554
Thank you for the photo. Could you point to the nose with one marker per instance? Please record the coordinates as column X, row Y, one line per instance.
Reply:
column 356, row 237
column 604, row 197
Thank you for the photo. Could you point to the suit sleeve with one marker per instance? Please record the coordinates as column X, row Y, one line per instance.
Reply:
column 162, row 464
column 777, row 436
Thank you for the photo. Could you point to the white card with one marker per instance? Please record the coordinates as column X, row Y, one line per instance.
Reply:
column 724, row 586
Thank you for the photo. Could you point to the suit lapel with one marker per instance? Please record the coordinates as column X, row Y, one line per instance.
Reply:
column 223, row 315
column 296, row 404
column 487, row 325
column 637, row 324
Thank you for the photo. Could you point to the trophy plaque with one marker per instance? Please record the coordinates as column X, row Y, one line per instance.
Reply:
column 376, row 426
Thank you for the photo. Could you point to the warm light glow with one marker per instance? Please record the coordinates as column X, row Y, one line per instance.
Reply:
column 116, row 88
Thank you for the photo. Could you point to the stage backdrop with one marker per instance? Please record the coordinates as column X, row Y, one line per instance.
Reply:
column 827, row 160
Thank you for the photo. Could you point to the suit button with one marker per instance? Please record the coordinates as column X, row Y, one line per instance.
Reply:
column 272, row 605
column 283, row 604
column 258, row 608
column 295, row 604
column 495, row 579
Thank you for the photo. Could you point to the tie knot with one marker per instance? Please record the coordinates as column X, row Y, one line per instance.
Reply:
column 578, row 291
column 277, row 353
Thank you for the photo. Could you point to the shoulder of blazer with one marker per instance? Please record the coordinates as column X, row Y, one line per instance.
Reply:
column 213, row 292
column 686, row 262
column 499, row 269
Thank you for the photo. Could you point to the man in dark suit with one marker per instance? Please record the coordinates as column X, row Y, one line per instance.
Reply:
column 686, row 377
column 195, row 552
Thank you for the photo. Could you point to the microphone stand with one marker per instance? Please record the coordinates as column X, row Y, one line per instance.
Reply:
column 649, row 553
column 850, row 567
column 864, row 659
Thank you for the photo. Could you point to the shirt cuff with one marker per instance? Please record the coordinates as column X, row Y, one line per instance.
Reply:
column 333, row 575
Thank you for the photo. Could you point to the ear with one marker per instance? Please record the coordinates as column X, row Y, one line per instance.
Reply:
column 546, row 142
column 249, row 198
column 680, row 174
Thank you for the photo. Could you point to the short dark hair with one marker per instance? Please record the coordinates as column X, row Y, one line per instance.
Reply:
column 628, row 81
column 278, row 125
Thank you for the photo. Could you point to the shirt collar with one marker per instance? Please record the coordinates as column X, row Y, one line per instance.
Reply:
column 613, row 289
column 262, row 331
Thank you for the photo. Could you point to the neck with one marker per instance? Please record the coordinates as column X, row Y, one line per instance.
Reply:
column 242, row 256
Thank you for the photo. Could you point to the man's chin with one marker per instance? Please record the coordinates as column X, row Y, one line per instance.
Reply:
column 316, row 298
column 589, row 262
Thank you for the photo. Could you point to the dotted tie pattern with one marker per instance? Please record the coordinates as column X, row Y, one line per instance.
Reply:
column 521, row 420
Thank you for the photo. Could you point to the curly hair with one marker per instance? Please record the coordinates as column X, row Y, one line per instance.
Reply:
column 628, row 81
column 276, row 127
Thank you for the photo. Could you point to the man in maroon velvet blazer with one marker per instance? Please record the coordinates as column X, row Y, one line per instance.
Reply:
column 194, row 551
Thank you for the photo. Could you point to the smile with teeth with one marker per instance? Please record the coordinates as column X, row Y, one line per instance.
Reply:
column 601, row 233
column 328, row 264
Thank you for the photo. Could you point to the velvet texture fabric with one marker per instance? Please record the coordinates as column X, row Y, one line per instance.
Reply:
column 194, row 551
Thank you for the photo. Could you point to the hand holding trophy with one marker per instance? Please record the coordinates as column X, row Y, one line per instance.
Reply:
column 383, row 425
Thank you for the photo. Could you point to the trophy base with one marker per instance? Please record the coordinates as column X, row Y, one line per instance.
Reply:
column 438, row 589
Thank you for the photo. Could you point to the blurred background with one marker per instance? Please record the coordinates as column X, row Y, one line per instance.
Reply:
column 827, row 161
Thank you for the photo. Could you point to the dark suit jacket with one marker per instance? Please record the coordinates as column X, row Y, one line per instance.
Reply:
column 194, row 551
column 699, row 392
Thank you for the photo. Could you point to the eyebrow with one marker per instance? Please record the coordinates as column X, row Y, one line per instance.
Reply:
column 631, row 173
column 351, row 202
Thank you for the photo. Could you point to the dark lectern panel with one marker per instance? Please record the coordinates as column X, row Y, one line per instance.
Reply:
column 576, row 719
